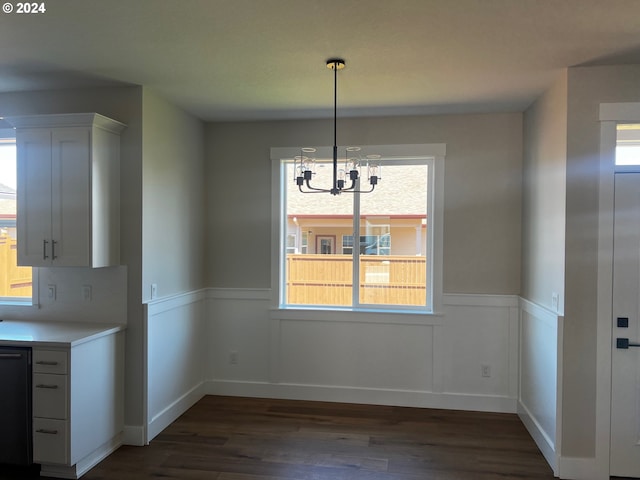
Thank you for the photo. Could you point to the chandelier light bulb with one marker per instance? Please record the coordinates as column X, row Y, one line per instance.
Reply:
column 308, row 164
column 341, row 177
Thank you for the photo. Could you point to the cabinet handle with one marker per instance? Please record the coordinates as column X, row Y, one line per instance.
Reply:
column 7, row 356
column 53, row 250
column 52, row 387
column 47, row 431
column 44, row 249
column 47, row 362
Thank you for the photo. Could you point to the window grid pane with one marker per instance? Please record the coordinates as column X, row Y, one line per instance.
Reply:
column 628, row 144
column 392, row 242
column 15, row 282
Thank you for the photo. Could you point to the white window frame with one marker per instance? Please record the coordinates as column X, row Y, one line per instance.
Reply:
column 295, row 243
column 6, row 133
column 360, row 242
column 350, row 247
column 434, row 155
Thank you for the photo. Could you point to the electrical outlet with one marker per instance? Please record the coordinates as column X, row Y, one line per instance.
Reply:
column 486, row 370
column 154, row 291
column 86, row 293
column 555, row 300
column 233, row 357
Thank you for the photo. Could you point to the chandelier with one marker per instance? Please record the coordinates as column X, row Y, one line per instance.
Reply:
column 304, row 164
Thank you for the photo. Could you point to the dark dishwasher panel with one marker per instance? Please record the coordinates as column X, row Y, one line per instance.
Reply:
column 15, row 406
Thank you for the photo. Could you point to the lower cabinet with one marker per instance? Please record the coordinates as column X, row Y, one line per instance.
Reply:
column 78, row 404
column 50, row 406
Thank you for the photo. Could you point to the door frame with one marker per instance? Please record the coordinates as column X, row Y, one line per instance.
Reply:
column 321, row 237
column 610, row 115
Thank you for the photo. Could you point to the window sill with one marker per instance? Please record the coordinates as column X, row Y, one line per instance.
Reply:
column 402, row 317
column 16, row 303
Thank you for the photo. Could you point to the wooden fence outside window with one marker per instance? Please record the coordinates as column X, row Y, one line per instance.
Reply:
column 14, row 281
column 384, row 279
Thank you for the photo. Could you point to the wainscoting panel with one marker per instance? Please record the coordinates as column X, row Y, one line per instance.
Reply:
column 538, row 402
column 464, row 358
column 480, row 345
column 238, row 342
column 176, row 336
column 354, row 354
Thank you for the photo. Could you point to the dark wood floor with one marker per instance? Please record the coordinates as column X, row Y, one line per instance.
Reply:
column 229, row 438
column 226, row 438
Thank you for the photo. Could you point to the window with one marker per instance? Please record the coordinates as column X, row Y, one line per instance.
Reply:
column 396, row 264
column 15, row 281
column 347, row 244
column 628, row 144
column 369, row 244
column 291, row 243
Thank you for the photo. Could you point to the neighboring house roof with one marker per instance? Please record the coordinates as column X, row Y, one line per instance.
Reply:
column 4, row 189
column 401, row 191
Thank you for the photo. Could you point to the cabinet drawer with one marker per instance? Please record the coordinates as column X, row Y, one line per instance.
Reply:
column 50, row 439
column 49, row 361
column 50, row 395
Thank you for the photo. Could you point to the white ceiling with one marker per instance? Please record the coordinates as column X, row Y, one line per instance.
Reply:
column 265, row 59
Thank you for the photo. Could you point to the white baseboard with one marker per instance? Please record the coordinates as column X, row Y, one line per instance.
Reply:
column 579, row 468
column 404, row 398
column 545, row 444
column 85, row 464
column 58, row 471
column 134, row 435
column 164, row 418
column 99, row 454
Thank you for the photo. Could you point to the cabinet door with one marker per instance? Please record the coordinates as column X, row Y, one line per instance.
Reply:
column 34, row 196
column 71, row 197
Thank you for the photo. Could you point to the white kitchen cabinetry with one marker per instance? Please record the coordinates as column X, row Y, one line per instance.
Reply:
column 78, row 410
column 68, row 170
column 50, row 406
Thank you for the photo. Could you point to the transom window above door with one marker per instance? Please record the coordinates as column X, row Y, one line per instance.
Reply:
column 628, row 144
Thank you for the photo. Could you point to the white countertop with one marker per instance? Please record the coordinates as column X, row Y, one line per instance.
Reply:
column 61, row 334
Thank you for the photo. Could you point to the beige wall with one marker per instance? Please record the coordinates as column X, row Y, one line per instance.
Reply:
column 544, row 191
column 482, row 229
column 172, row 199
column 587, row 87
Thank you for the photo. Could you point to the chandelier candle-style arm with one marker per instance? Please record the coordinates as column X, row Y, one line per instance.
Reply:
column 303, row 173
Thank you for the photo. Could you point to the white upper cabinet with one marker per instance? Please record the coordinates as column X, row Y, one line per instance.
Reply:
column 68, row 169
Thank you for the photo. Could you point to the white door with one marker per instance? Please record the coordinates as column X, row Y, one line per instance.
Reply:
column 625, row 375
